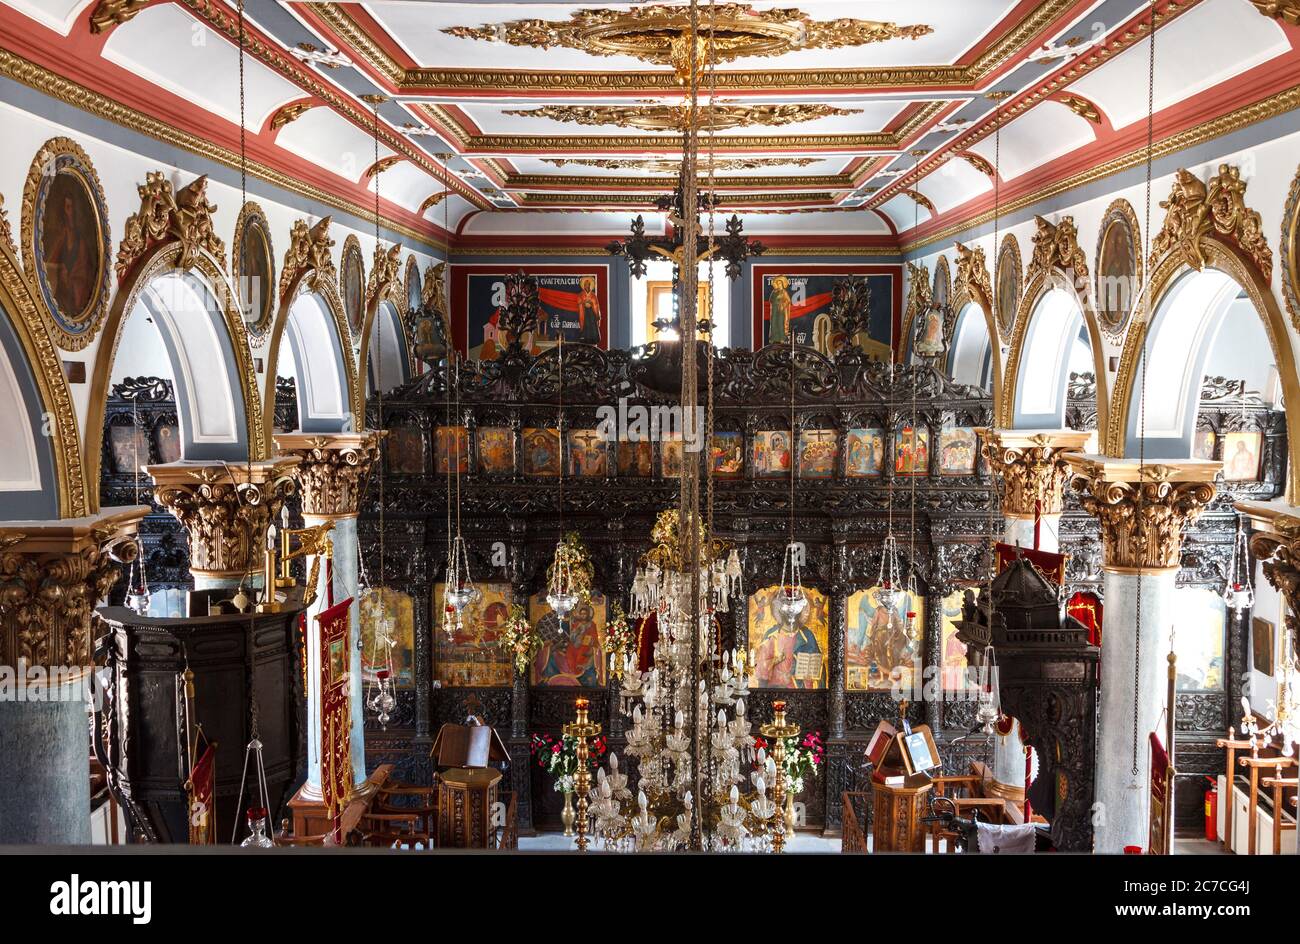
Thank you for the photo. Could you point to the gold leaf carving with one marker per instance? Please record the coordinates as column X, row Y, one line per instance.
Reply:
column 1195, row 210
column 308, row 255
column 656, row 117
column 184, row 215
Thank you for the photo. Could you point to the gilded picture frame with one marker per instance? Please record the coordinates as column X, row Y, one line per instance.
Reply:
column 352, row 287
column 1009, row 282
column 1118, row 267
column 252, row 262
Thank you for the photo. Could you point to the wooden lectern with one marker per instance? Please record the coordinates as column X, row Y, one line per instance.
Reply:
column 900, row 787
column 467, row 789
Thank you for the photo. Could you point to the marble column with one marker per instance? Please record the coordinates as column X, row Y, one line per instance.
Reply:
column 1143, row 511
column 1035, row 474
column 52, row 575
column 225, row 508
column 331, row 471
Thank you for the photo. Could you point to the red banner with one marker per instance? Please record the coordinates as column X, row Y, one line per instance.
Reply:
column 203, row 818
column 1158, row 832
column 335, row 626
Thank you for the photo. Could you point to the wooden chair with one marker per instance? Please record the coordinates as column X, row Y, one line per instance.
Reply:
column 392, row 831
column 955, row 788
column 284, row 838
column 410, row 799
column 1256, row 764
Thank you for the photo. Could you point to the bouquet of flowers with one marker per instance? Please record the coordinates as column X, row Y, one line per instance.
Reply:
column 803, row 757
column 517, row 638
column 619, row 639
column 559, row 757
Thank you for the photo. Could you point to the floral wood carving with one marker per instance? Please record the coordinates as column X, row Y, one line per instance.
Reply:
column 1195, row 210
column 184, row 215
column 308, row 255
column 110, row 13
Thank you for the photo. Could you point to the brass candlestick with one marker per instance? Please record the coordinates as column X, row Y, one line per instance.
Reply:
column 581, row 729
column 777, row 732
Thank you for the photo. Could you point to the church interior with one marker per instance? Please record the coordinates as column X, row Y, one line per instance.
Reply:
column 650, row 427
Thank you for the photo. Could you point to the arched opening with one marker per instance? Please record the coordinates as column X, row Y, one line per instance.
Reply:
column 314, row 358
column 1056, row 342
column 388, row 359
column 27, row 461
column 970, row 354
column 1204, row 325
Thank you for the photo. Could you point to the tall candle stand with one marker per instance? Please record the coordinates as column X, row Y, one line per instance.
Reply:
column 776, row 733
column 581, row 729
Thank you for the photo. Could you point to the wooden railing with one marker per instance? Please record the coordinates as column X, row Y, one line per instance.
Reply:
column 507, row 834
column 852, row 838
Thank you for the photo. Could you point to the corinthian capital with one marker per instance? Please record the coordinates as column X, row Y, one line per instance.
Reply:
column 1143, row 509
column 332, row 469
column 225, row 508
column 1275, row 542
column 1032, row 464
column 52, row 575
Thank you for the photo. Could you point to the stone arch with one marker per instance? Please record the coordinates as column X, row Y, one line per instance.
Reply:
column 1207, row 230
column 170, row 254
column 974, row 291
column 383, row 287
column 30, row 367
column 1058, row 267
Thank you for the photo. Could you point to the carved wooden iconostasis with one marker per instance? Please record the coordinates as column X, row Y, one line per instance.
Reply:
column 849, row 470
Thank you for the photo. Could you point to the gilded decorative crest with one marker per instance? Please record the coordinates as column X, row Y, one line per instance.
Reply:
column 660, row 117
column 1288, row 11
column 973, row 274
column 308, row 254
column 1081, row 107
column 381, row 165
column 66, row 245
column 434, row 293
column 1194, row 210
column 1056, row 250
column 922, row 200
column 252, row 263
column 432, row 200
column 385, row 281
column 979, row 163
column 184, row 215
column 6, row 233
column 290, row 113
column 110, row 13
column 660, row 33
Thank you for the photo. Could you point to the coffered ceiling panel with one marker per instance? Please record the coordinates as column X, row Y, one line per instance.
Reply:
column 58, row 15
column 327, row 140
column 1042, row 134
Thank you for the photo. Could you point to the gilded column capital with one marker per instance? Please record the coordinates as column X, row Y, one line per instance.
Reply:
column 225, row 508
column 52, row 575
column 1275, row 542
column 1143, row 508
column 1032, row 464
column 332, row 469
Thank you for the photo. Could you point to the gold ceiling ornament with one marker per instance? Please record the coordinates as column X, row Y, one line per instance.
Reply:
column 308, row 256
column 661, row 33
column 1033, row 467
column 973, row 275
column 672, row 167
column 184, row 215
column 385, row 281
column 110, row 13
column 1286, row 10
column 676, row 118
column 332, row 469
column 1056, row 250
column 1142, row 510
column 291, row 113
column 922, row 200
column 647, row 200
column 1194, row 210
column 381, row 165
column 1081, row 107
column 432, row 200
column 979, row 163
column 6, row 233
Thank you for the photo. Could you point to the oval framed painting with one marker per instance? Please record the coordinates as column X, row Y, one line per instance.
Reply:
column 1010, row 275
column 413, row 286
column 1119, row 267
column 942, row 294
column 66, row 242
column 1290, row 256
column 352, row 286
column 253, row 262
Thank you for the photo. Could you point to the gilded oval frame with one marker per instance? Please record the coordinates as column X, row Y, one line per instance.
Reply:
column 1289, row 251
column 252, row 215
column 1008, row 254
column 1119, row 213
column 353, row 256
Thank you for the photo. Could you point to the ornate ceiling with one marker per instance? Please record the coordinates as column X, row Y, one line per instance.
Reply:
column 883, row 106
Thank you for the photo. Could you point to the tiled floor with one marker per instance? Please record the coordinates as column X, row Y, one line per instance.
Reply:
column 811, row 843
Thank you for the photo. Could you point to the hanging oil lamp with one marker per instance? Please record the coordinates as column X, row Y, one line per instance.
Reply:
column 1239, row 594
column 791, row 600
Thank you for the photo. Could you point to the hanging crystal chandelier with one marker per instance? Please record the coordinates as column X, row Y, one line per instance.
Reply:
column 1239, row 593
column 888, row 578
column 792, row 600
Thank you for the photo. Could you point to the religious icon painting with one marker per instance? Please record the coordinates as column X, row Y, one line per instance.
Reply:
column 953, row 650
column 771, row 454
column 1008, row 284
column 66, row 242
column 541, row 451
column 785, row 656
column 882, row 652
column 798, row 300
column 130, row 448
column 374, row 606
column 167, row 440
column 450, row 449
column 635, row 459
column 1241, row 456
column 572, row 653
column 672, row 455
column 817, row 453
column 573, row 303
column 338, row 660
column 1199, row 639
column 728, row 455
column 404, row 446
column 254, row 270
column 469, row 655
column 864, row 452
column 1262, row 646
column 588, row 454
column 496, row 449
column 957, row 450
column 911, row 450
column 352, row 286
column 1203, row 442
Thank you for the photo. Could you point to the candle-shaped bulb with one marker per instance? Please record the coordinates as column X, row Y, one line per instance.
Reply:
column 284, row 516
column 613, row 763
column 270, row 537
column 677, row 718
column 641, row 800
column 735, row 795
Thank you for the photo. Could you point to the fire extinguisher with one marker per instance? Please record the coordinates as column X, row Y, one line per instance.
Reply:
column 1212, row 810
